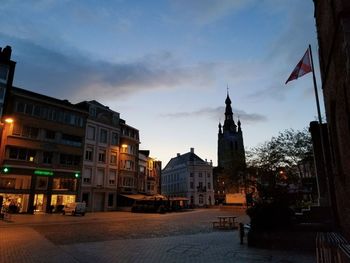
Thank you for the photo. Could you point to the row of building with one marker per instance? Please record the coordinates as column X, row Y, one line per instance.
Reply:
column 54, row 152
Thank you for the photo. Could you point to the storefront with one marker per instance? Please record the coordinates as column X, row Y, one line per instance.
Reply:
column 14, row 203
column 43, row 191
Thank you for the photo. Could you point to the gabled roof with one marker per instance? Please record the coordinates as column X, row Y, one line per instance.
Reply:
column 184, row 159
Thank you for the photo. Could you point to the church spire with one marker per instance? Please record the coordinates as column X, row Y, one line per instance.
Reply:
column 229, row 124
column 239, row 126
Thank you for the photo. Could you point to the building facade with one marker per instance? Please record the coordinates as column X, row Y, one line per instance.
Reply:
column 128, row 181
column 333, row 27
column 40, row 153
column 149, row 174
column 189, row 176
column 101, row 155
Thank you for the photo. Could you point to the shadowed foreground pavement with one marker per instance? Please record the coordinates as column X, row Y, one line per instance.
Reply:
column 38, row 240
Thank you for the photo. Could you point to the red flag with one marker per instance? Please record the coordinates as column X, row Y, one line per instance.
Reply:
column 302, row 68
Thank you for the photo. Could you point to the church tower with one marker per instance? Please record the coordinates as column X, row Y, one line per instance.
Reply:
column 231, row 154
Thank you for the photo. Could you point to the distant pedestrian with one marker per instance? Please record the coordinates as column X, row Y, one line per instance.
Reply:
column 241, row 232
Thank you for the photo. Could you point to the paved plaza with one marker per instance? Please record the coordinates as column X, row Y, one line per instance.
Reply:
column 128, row 237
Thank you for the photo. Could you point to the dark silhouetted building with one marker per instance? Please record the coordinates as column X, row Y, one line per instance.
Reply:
column 231, row 155
column 333, row 29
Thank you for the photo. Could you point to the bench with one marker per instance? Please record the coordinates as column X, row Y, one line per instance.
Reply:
column 332, row 247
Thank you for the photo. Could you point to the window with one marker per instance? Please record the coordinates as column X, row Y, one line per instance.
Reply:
column 191, row 174
column 129, row 165
column 191, row 185
column 114, row 139
column 66, row 184
column 69, row 159
column 103, row 136
column 67, row 118
column 29, row 109
column 87, row 175
column 208, row 174
column 17, row 129
column 113, row 158
column 110, row 199
column 90, row 133
column 20, row 107
column 92, row 111
column 4, row 70
column 102, row 156
column 2, row 93
column 89, row 154
column 50, row 135
column 52, row 115
column 100, row 177
column 30, row 132
column 22, row 154
column 115, row 119
column 71, row 140
column 209, row 186
column 36, row 111
column 47, row 157
column 112, row 177
column 41, row 183
column 200, row 174
column 7, row 183
column 128, row 182
column 200, row 185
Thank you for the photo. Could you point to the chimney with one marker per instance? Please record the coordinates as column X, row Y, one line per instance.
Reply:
column 192, row 150
column 178, row 154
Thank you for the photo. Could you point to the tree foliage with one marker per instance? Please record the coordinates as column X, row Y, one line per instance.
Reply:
column 284, row 151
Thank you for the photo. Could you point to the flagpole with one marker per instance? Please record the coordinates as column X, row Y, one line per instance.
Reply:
column 320, row 127
column 330, row 183
column 315, row 87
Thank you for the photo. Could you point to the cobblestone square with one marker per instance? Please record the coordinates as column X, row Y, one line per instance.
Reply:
column 130, row 237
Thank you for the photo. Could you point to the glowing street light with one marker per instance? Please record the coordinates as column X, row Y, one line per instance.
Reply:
column 9, row 120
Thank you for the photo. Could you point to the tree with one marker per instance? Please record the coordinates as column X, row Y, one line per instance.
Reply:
column 281, row 154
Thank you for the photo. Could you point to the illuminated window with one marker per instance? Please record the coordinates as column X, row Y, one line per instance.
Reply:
column 113, row 158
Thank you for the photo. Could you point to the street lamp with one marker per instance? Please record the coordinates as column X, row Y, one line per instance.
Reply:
column 9, row 120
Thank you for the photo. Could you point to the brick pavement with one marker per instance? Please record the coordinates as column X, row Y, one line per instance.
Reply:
column 205, row 247
column 23, row 244
column 20, row 242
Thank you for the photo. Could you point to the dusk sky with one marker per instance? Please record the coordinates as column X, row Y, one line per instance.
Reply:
column 165, row 65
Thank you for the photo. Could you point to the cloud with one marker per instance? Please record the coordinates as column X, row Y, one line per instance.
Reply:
column 56, row 73
column 207, row 11
column 216, row 114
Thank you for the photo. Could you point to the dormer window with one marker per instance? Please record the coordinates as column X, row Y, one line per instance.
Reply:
column 4, row 72
column 92, row 111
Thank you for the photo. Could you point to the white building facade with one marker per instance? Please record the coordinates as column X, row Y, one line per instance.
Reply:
column 101, row 154
column 189, row 176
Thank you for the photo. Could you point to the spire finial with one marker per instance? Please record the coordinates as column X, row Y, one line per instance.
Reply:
column 227, row 89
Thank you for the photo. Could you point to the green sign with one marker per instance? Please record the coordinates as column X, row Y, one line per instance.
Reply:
column 42, row 172
column 5, row 169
